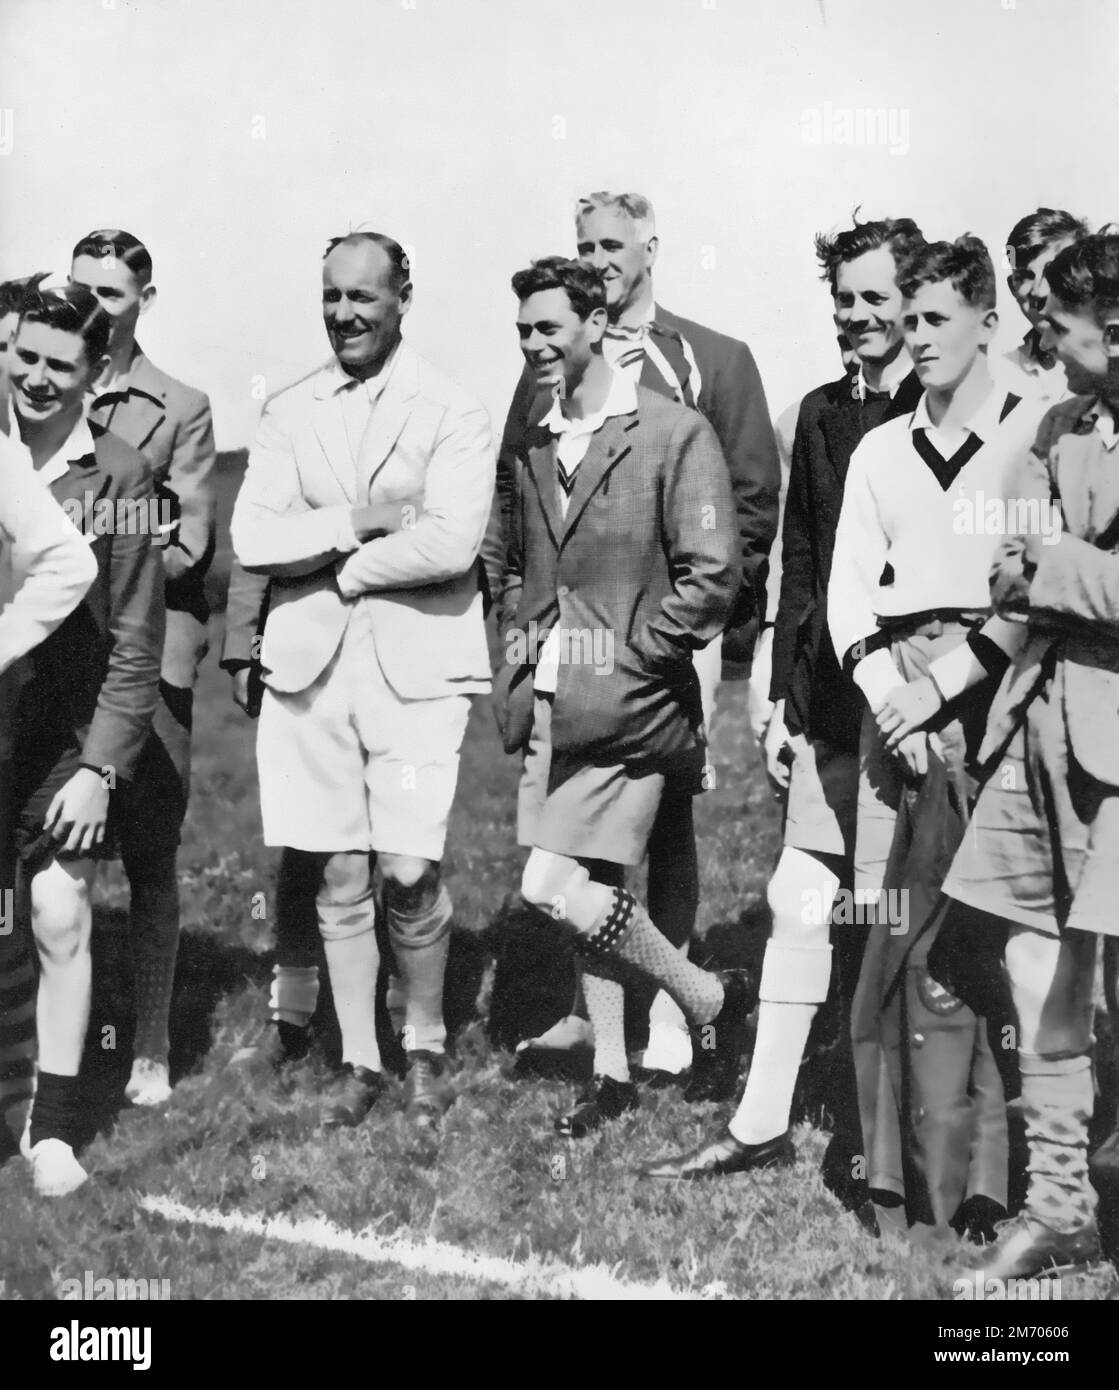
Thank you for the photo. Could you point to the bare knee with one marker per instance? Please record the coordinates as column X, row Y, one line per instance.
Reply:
column 411, row 885
column 345, row 878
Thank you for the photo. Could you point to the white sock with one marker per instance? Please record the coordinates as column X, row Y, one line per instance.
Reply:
column 783, row 1027
column 352, row 962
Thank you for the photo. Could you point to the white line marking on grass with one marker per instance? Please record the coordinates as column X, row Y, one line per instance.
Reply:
column 543, row 1277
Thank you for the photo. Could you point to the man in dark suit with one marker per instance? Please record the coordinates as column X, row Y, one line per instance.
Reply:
column 169, row 423
column 620, row 564
column 715, row 374
column 813, row 737
column 88, row 695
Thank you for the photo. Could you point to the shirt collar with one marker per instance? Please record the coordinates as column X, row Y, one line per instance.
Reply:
column 892, row 378
column 332, row 380
column 77, row 445
column 983, row 422
column 621, row 399
column 1105, row 423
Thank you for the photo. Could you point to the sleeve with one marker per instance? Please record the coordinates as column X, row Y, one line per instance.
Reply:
column 798, row 567
column 273, row 529
column 737, row 409
column 245, row 607
column 130, row 690
column 445, row 541
column 861, row 547
column 699, row 541
column 190, row 478
column 516, row 422
column 56, row 563
column 1014, row 566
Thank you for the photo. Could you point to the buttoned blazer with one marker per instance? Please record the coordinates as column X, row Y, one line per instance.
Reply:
column 645, row 562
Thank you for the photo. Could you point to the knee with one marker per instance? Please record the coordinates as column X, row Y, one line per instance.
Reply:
column 411, row 884
column 345, row 880
column 60, row 926
column 418, row 914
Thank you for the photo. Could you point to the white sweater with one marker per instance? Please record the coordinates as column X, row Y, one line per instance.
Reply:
column 938, row 543
column 45, row 564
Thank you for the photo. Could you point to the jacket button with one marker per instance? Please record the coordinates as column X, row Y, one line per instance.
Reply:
column 918, row 1039
column 562, row 591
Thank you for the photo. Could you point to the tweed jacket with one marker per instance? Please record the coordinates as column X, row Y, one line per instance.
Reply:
column 98, row 673
column 170, row 424
column 819, row 700
column 1068, row 592
column 646, row 557
column 732, row 399
column 426, row 439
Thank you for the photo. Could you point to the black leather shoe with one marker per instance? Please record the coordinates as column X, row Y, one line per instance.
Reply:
column 655, row 1079
column 428, row 1093
column 717, row 1046
column 721, row 1155
column 604, row 1099
column 838, row 1173
column 355, row 1095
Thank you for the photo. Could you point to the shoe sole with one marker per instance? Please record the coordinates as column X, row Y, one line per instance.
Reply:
column 785, row 1159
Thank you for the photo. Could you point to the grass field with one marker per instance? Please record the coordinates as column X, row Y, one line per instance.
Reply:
column 558, row 1219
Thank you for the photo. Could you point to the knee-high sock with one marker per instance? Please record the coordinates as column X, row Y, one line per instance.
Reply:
column 673, row 893
column 17, row 1037
column 605, row 994
column 421, row 941
column 1057, row 1097
column 297, row 930
column 294, row 994
column 611, row 921
column 352, row 958
column 154, row 928
column 796, row 973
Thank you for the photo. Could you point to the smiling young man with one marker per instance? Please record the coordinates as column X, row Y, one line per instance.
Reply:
column 374, row 645
column 169, row 423
column 1030, row 370
column 1040, row 860
column 813, row 735
column 621, row 524
column 908, row 590
column 85, row 708
column 694, row 366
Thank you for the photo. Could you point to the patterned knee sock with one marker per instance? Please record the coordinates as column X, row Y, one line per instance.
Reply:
column 17, row 1043
column 627, row 932
column 421, row 941
column 1057, row 1099
column 606, row 1001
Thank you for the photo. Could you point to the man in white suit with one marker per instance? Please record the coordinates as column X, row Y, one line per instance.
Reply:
column 366, row 500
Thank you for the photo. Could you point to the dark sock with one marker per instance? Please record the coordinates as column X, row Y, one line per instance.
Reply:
column 54, row 1114
column 154, row 919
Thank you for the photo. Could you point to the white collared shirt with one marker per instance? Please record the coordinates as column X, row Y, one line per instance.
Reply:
column 892, row 377
column 573, row 439
column 1021, row 372
column 615, row 348
column 78, row 444
column 1106, row 425
column 356, row 398
column 905, row 544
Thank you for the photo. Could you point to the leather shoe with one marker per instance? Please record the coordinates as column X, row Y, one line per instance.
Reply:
column 354, row 1097
column 428, row 1093
column 717, row 1046
column 604, row 1099
column 721, row 1155
column 1027, row 1246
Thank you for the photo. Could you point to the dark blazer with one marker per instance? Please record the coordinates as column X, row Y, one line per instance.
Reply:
column 819, row 700
column 99, row 672
column 170, row 424
column 732, row 398
column 646, row 556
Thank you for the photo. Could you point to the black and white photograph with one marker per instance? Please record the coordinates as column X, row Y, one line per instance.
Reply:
column 559, row 663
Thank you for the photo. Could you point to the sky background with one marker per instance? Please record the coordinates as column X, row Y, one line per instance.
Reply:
column 235, row 136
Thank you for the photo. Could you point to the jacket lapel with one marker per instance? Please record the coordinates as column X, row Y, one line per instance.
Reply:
column 608, row 447
column 541, row 448
column 388, row 418
column 330, row 426
column 135, row 413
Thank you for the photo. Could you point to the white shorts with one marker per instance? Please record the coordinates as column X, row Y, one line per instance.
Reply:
column 347, row 765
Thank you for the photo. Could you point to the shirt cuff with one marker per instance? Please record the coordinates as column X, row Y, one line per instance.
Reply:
column 876, row 675
column 956, row 671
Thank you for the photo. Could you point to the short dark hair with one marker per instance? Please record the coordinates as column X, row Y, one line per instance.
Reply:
column 110, row 241
column 13, row 292
column 901, row 235
column 582, row 284
column 1087, row 273
column 1032, row 234
column 71, row 309
column 401, row 269
column 966, row 262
